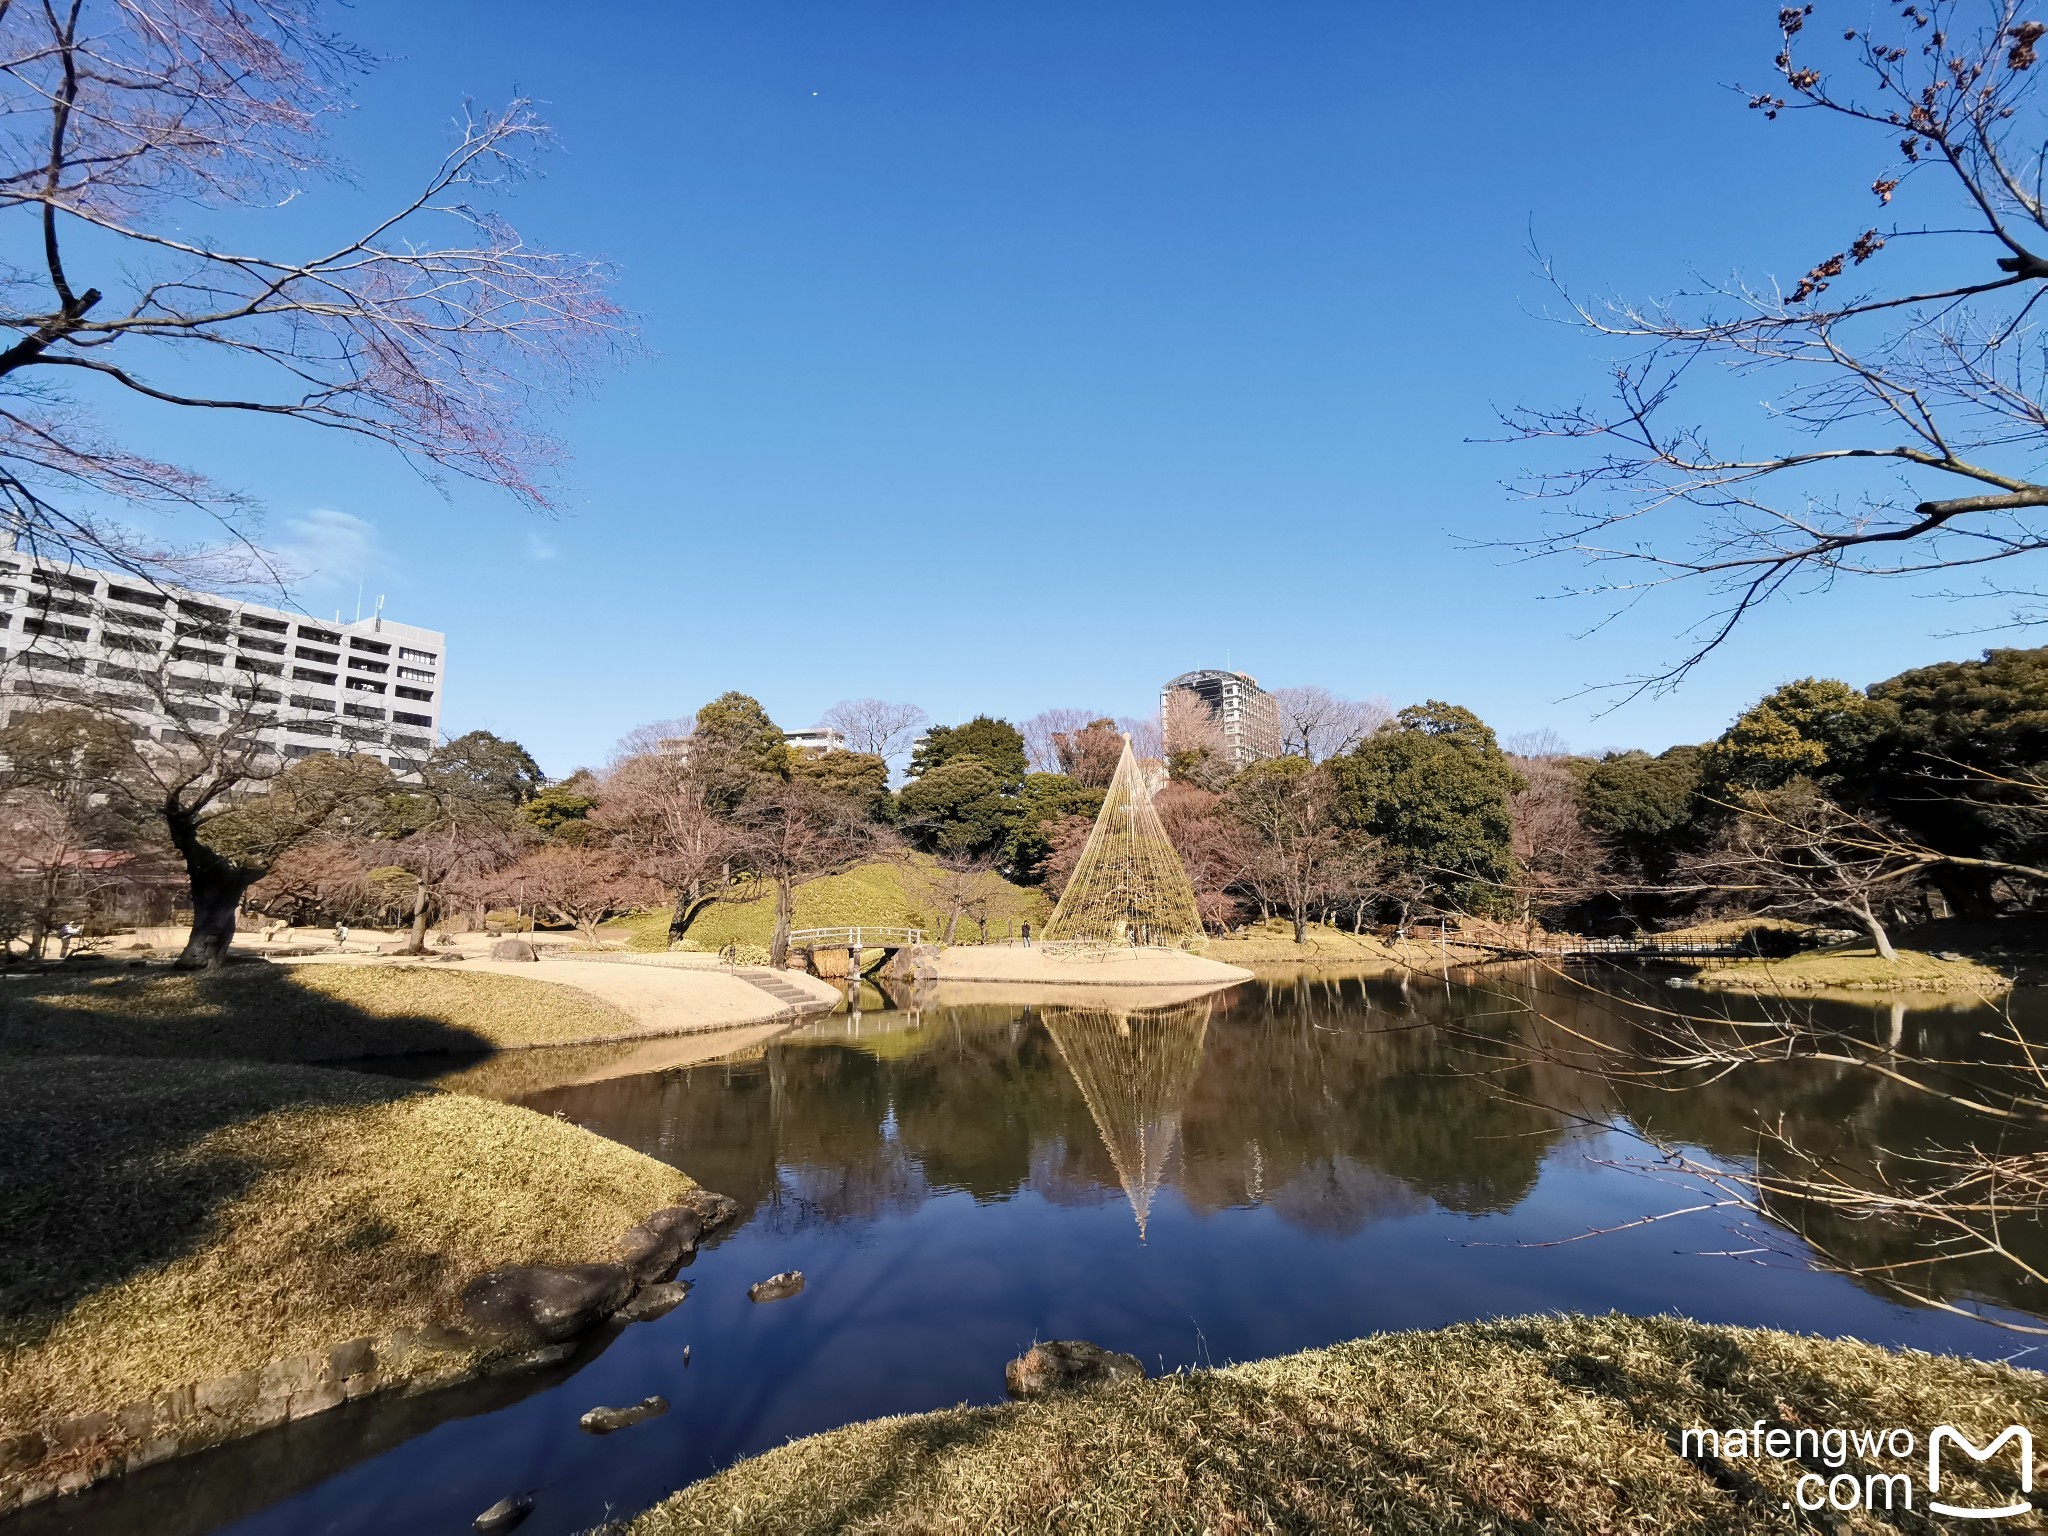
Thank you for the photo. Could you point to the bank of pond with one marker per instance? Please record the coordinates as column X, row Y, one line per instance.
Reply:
column 1276, row 1168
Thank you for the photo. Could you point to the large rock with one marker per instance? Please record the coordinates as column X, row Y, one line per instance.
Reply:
column 654, row 1248
column 777, row 1287
column 545, row 1304
column 652, row 1302
column 1068, row 1365
column 513, row 949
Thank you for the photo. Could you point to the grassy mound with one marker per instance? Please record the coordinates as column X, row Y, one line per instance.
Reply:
column 296, row 1013
column 1552, row 1424
column 1856, row 967
column 886, row 893
column 1272, row 943
column 177, row 1221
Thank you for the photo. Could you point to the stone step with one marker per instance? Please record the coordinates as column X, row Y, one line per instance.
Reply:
column 782, row 991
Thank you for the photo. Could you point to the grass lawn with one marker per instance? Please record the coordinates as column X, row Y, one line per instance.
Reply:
column 1855, row 967
column 294, row 1013
column 170, row 1222
column 1551, row 1424
column 883, row 894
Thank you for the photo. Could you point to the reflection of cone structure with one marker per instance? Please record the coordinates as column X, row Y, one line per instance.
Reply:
column 1135, row 1070
column 1129, row 886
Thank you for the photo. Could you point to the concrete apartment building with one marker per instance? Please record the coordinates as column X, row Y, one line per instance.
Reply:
column 1216, row 703
column 72, row 634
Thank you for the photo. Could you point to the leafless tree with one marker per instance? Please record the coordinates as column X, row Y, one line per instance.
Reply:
column 1558, row 859
column 578, row 884
column 876, row 726
column 657, row 736
column 1900, row 416
column 1299, row 858
column 665, row 813
column 1195, row 749
column 953, row 886
column 1089, row 755
column 795, row 833
column 1316, row 724
column 1215, row 848
column 1148, row 740
column 433, row 328
column 324, row 876
column 1795, row 853
column 1043, row 730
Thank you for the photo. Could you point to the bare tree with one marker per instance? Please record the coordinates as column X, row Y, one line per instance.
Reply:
column 1316, row 724
column 1795, row 853
column 577, row 884
column 795, row 833
column 1299, row 858
column 657, row 736
column 1899, row 427
column 434, row 328
column 875, row 726
column 1214, row 847
column 1043, row 730
column 1558, row 859
column 666, row 814
column 1148, row 739
column 953, row 886
column 1192, row 741
column 1089, row 755
column 324, row 876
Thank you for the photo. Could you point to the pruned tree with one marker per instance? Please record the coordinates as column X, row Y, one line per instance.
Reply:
column 324, row 876
column 1317, row 724
column 877, row 727
column 461, row 819
column 1898, row 429
column 433, row 328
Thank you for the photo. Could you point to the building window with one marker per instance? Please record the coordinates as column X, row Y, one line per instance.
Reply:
column 53, row 663
column 362, row 712
column 257, row 621
column 252, row 643
column 189, row 684
column 420, row 694
column 364, row 685
column 134, row 620
column 375, row 647
column 407, row 653
column 140, row 599
column 416, row 674
column 266, row 668
column 121, row 674
column 417, row 743
column 403, row 718
column 309, row 701
column 326, row 658
column 65, row 583
column 314, row 727
column 212, row 634
column 48, row 604
column 308, row 675
column 202, row 658
column 205, row 612
column 368, row 666
column 324, row 636
column 55, row 630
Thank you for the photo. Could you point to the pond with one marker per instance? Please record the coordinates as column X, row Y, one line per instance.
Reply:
column 1287, row 1164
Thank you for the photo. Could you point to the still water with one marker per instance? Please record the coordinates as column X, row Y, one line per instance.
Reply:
column 1283, row 1165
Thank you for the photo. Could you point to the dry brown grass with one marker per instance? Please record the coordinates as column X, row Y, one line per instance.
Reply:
column 296, row 1013
column 1544, row 1424
column 174, row 1221
column 1272, row 944
column 1856, row 968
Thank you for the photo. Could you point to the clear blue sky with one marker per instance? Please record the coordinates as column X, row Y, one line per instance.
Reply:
column 1027, row 352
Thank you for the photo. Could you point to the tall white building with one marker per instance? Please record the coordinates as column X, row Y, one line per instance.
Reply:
column 71, row 634
column 1227, row 707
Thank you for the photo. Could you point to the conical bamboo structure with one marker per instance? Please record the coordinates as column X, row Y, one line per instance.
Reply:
column 1129, row 886
column 1135, row 1069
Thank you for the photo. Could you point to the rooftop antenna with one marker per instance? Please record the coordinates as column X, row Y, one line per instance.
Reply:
column 377, row 622
column 359, row 599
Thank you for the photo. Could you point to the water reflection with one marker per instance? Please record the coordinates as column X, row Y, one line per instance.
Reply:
column 1306, row 1161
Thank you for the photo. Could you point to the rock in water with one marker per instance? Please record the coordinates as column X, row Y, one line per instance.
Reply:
column 777, row 1287
column 504, row 1514
column 602, row 1421
column 1066, row 1365
column 653, row 1301
column 657, row 1245
column 513, row 949
column 546, row 1304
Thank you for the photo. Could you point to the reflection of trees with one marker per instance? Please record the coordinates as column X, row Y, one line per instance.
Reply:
column 1134, row 1068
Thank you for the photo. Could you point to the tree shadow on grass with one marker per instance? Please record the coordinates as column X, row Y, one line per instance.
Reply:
column 106, row 1101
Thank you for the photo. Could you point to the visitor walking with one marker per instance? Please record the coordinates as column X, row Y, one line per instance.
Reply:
column 341, row 935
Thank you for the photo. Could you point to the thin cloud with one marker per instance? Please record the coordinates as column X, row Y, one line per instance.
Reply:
column 325, row 548
column 538, row 548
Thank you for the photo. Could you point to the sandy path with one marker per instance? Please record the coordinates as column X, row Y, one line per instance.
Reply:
column 1121, row 967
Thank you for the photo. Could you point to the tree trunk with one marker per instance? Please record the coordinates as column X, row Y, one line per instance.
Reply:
column 418, row 943
column 217, row 885
column 952, row 924
column 1300, row 927
column 785, row 907
column 1879, row 939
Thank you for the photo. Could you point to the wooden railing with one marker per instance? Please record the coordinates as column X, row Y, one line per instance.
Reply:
column 861, row 937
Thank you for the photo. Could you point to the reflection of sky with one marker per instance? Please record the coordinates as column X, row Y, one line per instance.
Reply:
column 919, row 1291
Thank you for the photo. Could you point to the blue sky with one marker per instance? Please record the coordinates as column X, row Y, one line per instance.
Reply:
column 1028, row 352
